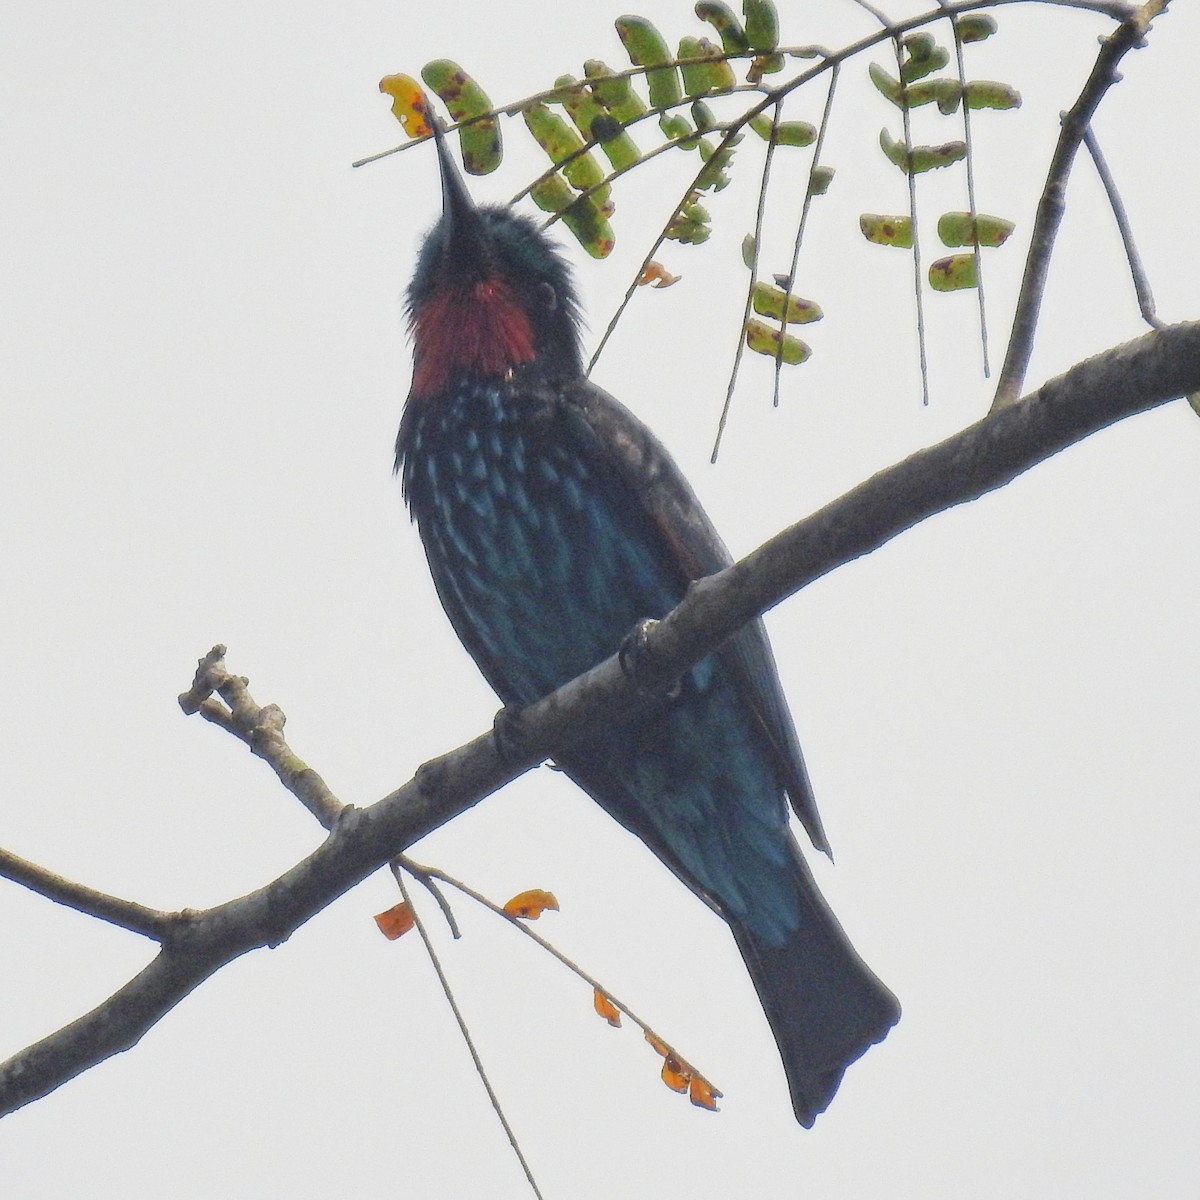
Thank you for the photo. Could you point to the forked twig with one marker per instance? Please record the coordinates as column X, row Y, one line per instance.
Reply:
column 448, row 992
column 1129, row 35
column 260, row 728
column 521, row 924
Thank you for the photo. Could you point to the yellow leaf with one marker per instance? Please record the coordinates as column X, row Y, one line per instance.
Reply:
column 675, row 1075
column 605, row 1008
column 657, row 275
column 702, row 1093
column 409, row 104
column 396, row 922
column 531, row 904
column 660, row 1047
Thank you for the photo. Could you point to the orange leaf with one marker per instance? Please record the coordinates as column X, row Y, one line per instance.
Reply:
column 674, row 1075
column 396, row 922
column 409, row 104
column 703, row 1094
column 605, row 1007
column 531, row 904
column 658, row 275
column 660, row 1047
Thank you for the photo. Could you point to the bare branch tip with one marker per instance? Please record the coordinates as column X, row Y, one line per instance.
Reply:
column 210, row 671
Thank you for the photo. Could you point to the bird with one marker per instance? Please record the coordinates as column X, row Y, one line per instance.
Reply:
column 554, row 523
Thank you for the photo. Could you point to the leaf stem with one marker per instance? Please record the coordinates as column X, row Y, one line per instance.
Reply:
column 448, row 992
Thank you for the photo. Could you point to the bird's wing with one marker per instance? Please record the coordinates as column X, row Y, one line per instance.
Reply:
column 607, row 431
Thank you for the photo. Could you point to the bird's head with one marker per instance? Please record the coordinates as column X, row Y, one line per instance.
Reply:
column 491, row 295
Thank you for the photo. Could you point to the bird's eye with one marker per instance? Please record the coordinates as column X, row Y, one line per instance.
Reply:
column 547, row 295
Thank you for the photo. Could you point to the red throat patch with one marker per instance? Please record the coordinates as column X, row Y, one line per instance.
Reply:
column 480, row 331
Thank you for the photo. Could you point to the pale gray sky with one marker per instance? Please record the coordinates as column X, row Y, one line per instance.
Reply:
column 204, row 362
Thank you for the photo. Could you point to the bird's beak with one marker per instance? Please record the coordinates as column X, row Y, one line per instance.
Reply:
column 466, row 243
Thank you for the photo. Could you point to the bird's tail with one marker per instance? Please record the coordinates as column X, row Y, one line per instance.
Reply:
column 824, row 1004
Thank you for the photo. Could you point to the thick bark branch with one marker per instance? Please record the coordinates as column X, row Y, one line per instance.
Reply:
column 1156, row 368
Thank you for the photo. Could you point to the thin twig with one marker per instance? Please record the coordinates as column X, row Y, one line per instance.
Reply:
column 261, row 729
column 128, row 914
column 877, row 13
column 911, row 177
column 730, row 133
column 977, row 250
column 759, row 215
column 523, row 925
column 1128, row 36
column 425, row 876
column 1141, row 284
column 448, row 991
column 826, row 114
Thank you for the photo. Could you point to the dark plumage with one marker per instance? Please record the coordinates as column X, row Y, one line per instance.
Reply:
column 553, row 522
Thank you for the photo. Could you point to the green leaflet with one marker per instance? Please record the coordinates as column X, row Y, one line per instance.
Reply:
column 616, row 95
column 887, row 230
column 581, row 216
column 974, row 27
column 646, row 48
column 711, row 74
column 480, row 142
column 986, row 93
column 721, row 17
column 763, row 339
column 768, row 301
column 786, row 133
column 560, row 141
column 922, row 158
column 762, row 24
column 953, row 274
column 594, row 122
column 957, row 229
column 923, row 57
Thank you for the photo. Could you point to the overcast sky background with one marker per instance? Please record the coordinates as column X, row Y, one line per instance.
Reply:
column 204, row 363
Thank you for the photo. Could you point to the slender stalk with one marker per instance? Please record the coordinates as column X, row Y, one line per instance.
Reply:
column 1141, row 283
column 826, row 114
column 448, row 992
column 739, row 350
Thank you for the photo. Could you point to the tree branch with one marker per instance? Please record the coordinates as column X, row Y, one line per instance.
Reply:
column 261, row 729
column 128, row 914
column 1130, row 35
column 1140, row 375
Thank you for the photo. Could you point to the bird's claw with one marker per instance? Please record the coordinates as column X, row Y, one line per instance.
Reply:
column 508, row 734
column 634, row 658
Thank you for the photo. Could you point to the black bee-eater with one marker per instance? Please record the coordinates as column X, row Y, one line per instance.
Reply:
column 554, row 523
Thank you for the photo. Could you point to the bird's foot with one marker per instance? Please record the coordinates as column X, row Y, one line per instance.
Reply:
column 634, row 657
column 508, row 733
